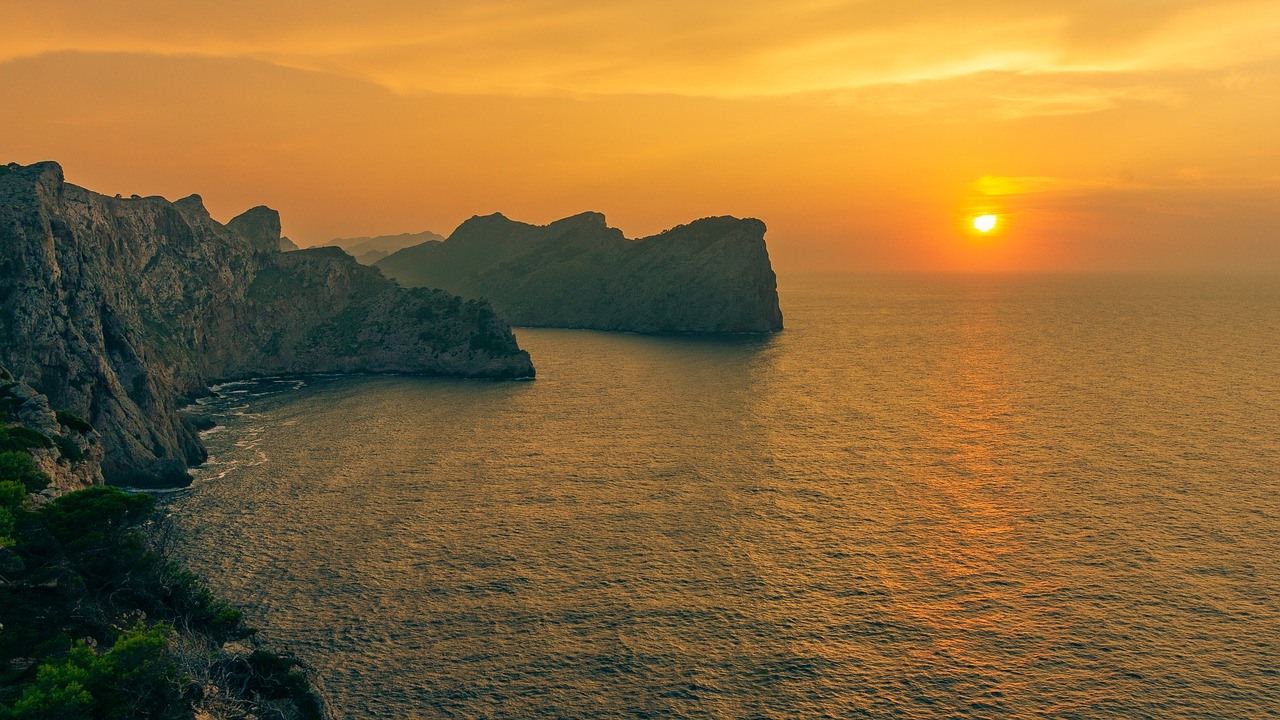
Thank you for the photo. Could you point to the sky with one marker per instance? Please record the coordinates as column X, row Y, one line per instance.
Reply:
column 1106, row 136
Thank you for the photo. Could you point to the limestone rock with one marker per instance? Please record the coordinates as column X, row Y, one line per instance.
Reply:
column 74, row 459
column 710, row 276
column 120, row 309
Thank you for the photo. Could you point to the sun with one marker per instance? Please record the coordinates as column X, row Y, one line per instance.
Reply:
column 985, row 223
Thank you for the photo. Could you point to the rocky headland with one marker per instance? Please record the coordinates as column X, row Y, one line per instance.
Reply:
column 120, row 309
column 710, row 276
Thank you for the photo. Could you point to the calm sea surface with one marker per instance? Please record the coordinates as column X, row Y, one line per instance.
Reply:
column 929, row 497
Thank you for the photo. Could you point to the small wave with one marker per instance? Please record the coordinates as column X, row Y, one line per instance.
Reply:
column 232, row 384
column 156, row 491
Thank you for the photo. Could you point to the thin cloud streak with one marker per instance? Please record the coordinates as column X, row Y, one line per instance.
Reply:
column 714, row 49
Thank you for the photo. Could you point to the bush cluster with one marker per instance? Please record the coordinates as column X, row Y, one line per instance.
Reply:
column 22, row 438
column 73, row 421
column 19, row 476
column 95, row 623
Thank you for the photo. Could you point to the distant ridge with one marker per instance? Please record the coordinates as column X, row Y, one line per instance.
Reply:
column 710, row 276
column 369, row 250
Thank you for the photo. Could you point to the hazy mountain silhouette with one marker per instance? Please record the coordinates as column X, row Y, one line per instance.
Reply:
column 369, row 250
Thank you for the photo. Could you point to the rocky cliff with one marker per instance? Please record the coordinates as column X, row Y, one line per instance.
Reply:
column 118, row 309
column 63, row 446
column 710, row 276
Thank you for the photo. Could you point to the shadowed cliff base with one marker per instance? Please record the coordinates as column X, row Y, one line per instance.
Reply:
column 117, row 309
column 710, row 276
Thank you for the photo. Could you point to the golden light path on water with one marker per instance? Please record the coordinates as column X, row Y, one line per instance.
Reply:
column 929, row 497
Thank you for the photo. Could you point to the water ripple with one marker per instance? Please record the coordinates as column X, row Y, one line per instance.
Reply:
column 928, row 498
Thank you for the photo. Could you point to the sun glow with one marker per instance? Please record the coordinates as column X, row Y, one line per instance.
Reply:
column 985, row 223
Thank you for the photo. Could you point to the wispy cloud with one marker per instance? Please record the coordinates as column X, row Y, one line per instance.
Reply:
column 716, row 48
column 1183, row 179
column 1003, row 95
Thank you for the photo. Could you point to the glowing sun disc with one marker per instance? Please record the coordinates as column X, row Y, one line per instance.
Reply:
column 985, row 223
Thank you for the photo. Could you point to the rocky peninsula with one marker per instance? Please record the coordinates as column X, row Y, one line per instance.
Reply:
column 120, row 309
column 710, row 276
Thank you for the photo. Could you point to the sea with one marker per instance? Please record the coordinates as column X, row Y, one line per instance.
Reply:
column 950, row 496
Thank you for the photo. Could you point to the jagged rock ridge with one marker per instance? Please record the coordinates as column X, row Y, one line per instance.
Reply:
column 710, row 276
column 118, row 309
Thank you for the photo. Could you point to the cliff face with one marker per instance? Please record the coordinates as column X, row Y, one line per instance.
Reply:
column 63, row 446
column 118, row 309
column 710, row 276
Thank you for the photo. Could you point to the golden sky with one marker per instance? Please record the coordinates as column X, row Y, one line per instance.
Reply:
column 1108, row 135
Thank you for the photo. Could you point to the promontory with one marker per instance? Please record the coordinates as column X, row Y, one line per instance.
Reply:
column 710, row 276
column 119, row 309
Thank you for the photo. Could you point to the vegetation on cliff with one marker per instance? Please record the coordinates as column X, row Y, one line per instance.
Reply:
column 95, row 621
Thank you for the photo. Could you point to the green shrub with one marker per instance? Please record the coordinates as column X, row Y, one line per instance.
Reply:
column 12, row 497
column 93, row 527
column 68, row 449
column 75, row 515
column 75, row 422
column 135, row 678
column 59, row 694
column 21, row 438
column 12, row 494
column 79, row 567
column 21, row 468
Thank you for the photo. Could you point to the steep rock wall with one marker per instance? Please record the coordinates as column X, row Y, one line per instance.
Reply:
column 710, row 276
column 119, row 309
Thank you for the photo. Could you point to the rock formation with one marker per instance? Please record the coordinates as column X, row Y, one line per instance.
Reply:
column 710, row 276
column 369, row 250
column 63, row 446
column 120, row 309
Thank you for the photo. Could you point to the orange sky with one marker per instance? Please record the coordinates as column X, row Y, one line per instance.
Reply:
column 1136, row 135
